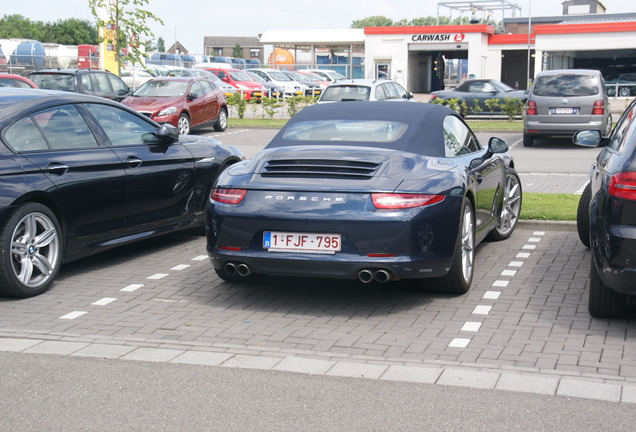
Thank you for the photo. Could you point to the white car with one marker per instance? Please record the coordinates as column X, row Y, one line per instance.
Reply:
column 378, row 89
column 135, row 77
column 284, row 82
column 328, row 74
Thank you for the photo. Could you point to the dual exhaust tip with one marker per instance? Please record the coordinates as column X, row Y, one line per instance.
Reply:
column 364, row 275
column 237, row 268
column 370, row 275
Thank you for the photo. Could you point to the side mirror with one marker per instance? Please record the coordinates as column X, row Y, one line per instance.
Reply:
column 497, row 145
column 588, row 138
column 167, row 133
column 192, row 96
column 225, row 79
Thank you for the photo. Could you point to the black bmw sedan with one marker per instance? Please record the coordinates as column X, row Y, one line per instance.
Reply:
column 374, row 191
column 606, row 217
column 79, row 174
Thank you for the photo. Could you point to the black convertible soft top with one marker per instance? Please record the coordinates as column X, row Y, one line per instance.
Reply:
column 424, row 120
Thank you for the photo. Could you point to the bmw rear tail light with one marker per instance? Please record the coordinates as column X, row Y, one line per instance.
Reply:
column 228, row 196
column 599, row 108
column 623, row 186
column 403, row 201
column 531, row 108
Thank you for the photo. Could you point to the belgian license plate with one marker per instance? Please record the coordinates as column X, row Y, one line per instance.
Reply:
column 276, row 241
column 563, row 110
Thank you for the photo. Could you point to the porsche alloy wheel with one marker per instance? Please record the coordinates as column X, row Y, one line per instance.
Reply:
column 511, row 208
column 460, row 275
column 183, row 124
column 31, row 248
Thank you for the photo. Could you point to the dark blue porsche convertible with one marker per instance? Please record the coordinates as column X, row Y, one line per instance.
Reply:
column 374, row 191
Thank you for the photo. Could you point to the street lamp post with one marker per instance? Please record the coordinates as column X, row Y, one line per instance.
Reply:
column 529, row 40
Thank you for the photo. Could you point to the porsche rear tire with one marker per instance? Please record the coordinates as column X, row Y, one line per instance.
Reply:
column 460, row 276
column 510, row 209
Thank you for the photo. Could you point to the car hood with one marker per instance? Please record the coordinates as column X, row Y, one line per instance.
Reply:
column 341, row 168
column 145, row 103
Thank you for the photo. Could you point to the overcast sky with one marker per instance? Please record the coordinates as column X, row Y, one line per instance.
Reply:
column 190, row 20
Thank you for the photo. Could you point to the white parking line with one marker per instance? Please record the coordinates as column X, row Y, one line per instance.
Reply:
column 104, row 301
column 73, row 315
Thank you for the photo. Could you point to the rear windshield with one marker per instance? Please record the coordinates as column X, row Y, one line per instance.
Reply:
column 566, row 85
column 379, row 131
column 54, row 81
column 351, row 92
column 161, row 88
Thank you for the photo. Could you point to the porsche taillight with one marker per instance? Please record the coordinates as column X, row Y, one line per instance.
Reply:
column 403, row 201
column 531, row 108
column 623, row 185
column 228, row 196
column 599, row 108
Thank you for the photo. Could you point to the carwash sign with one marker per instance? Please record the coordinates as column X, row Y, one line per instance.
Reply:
column 437, row 37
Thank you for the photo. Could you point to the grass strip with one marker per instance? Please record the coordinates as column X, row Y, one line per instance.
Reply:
column 549, row 206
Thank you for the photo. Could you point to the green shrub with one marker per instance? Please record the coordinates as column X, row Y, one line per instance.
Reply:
column 512, row 107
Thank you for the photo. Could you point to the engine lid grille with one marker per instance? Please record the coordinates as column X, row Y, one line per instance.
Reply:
column 320, row 168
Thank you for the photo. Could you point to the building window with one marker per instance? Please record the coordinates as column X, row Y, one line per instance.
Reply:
column 255, row 52
column 218, row 51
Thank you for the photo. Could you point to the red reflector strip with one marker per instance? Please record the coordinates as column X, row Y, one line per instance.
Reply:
column 381, row 255
column 230, row 248
column 623, row 185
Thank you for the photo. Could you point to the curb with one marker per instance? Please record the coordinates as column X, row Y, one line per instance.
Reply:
column 569, row 226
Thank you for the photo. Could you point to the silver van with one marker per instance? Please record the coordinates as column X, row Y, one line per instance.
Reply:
column 562, row 102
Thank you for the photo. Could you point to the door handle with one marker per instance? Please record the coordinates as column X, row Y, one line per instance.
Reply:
column 57, row 168
column 133, row 161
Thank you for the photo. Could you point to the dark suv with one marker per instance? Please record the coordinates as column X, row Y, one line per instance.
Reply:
column 88, row 81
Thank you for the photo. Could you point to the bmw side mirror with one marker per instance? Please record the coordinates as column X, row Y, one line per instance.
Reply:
column 587, row 138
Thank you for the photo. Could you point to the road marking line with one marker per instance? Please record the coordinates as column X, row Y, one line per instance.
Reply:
column 515, row 264
column 538, row 233
column 482, row 310
column 471, row 326
column 492, row 295
column 180, row 267
column 158, row 276
column 508, row 273
column 73, row 315
column 459, row 343
column 104, row 301
column 534, row 239
column 500, row 283
column 523, row 255
column 132, row 287
column 529, row 247
column 200, row 258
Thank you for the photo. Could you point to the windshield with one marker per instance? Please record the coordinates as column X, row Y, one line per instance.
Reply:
column 566, row 85
column 380, row 131
column 279, row 76
column 239, row 76
column 346, row 93
column 162, row 89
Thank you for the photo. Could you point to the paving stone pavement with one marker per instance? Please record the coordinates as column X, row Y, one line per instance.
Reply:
column 523, row 326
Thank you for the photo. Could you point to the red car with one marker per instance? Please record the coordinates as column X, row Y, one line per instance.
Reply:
column 13, row 80
column 249, row 88
column 184, row 102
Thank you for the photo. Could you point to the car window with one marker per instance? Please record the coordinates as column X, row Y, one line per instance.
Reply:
column 624, row 129
column 121, row 127
column 54, row 81
column 86, row 81
column 197, row 89
column 101, row 82
column 380, row 94
column 458, row 140
column 117, row 85
column 21, row 84
column 391, row 91
column 399, row 89
column 346, row 131
column 24, row 136
column 207, row 87
column 566, row 85
column 65, row 128
column 346, row 93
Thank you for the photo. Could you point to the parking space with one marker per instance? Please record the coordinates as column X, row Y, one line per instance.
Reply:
column 525, row 314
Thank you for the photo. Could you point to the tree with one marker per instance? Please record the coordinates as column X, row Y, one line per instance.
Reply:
column 19, row 27
column 71, row 31
column 129, row 20
column 237, row 52
column 372, row 21
column 161, row 45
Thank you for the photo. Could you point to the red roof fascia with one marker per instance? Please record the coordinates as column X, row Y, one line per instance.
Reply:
column 430, row 29
column 585, row 28
column 517, row 38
